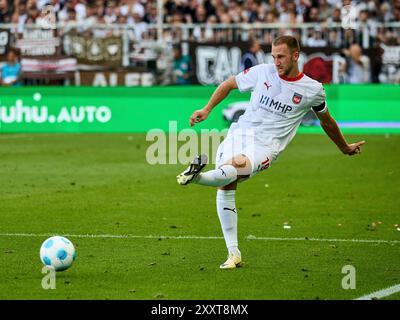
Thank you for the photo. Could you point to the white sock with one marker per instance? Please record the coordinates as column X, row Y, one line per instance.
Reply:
column 235, row 251
column 222, row 176
column 228, row 217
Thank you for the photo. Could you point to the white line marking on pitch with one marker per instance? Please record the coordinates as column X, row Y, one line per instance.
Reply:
column 250, row 237
column 381, row 293
column 12, row 136
column 117, row 236
column 323, row 240
column 8, row 136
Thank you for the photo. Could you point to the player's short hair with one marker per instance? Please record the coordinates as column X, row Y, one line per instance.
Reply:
column 290, row 41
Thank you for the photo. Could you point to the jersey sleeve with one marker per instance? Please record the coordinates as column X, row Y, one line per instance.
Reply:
column 247, row 79
column 319, row 103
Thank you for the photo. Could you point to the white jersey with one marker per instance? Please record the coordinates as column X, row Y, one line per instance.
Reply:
column 277, row 104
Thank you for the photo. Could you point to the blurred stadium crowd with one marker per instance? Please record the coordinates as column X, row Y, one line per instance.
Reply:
column 273, row 11
column 140, row 14
column 202, row 41
column 201, row 11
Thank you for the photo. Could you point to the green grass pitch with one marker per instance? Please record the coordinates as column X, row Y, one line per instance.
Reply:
column 102, row 185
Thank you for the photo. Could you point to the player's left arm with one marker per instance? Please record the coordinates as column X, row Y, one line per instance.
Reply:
column 332, row 129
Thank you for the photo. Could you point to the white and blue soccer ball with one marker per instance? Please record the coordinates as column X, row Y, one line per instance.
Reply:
column 57, row 252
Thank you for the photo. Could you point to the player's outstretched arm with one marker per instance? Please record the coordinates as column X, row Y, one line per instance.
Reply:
column 333, row 131
column 218, row 95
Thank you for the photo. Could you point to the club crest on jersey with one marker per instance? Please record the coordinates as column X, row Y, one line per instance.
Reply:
column 297, row 98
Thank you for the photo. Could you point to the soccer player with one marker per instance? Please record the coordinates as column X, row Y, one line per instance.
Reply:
column 281, row 96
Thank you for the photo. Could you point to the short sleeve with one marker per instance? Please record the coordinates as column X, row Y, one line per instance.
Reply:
column 247, row 79
column 319, row 103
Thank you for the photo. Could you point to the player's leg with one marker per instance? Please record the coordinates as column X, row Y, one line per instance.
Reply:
column 225, row 177
column 227, row 211
column 253, row 161
column 229, row 169
column 227, row 214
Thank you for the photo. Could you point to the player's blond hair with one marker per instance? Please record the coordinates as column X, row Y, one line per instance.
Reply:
column 290, row 41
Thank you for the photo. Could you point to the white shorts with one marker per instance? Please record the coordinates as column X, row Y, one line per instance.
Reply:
column 242, row 141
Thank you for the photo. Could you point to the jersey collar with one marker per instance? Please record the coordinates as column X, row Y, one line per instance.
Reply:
column 301, row 75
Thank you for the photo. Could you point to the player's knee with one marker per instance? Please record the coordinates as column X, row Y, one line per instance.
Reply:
column 242, row 164
column 239, row 161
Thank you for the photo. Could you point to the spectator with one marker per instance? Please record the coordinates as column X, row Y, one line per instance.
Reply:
column 65, row 14
column 209, row 34
column 209, row 5
column 181, row 67
column 302, row 7
column 386, row 14
column 272, row 17
column 140, row 27
column 121, row 19
column 110, row 16
column 356, row 66
column 313, row 15
column 71, row 15
column 46, row 17
column 234, row 11
column 11, row 70
column 225, row 18
column 316, row 39
column 250, row 12
column 325, row 11
column 136, row 8
column 80, row 7
column 190, row 10
column 396, row 12
column 224, row 34
column 89, row 21
column 250, row 59
column 33, row 14
column 151, row 13
column 200, row 15
column 5, row 12
column 336, row 16
column 20, row 16
column 334, row 39
column 176, row 18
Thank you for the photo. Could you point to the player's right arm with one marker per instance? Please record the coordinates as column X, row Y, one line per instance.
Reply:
column 218, row 95
column 332, row 129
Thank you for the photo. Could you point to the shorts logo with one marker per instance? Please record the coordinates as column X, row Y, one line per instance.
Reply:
column 297, row 98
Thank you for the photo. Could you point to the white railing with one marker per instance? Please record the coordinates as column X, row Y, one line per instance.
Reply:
column 263, row 32
column 145, row 40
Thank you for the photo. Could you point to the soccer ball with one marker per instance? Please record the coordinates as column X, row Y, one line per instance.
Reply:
column 57, row 252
